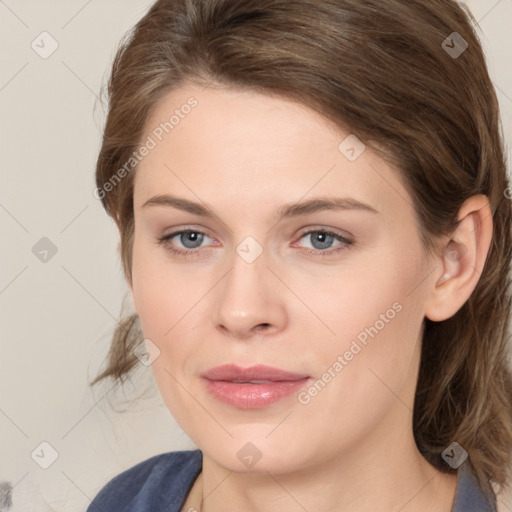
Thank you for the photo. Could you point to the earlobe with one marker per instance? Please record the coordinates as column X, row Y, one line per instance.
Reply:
column 462, row 259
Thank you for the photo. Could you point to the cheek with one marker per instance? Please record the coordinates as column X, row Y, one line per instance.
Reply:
column 376, row 313
column 376, row 293
column 366, row 371
column 167, row 302
column 172, row 302
column 164, row 295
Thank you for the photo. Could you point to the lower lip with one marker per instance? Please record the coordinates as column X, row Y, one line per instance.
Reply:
column 253, row 396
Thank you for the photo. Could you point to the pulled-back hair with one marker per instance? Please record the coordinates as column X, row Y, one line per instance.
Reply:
column 384, row 70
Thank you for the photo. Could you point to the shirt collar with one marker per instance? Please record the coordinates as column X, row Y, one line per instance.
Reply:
column 470, row 497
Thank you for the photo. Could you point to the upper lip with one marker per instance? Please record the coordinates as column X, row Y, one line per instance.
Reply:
column 231, row 372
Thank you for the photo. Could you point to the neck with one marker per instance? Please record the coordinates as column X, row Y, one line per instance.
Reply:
column 399, row 479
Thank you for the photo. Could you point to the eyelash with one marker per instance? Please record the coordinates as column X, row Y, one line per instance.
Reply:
column 346, row 243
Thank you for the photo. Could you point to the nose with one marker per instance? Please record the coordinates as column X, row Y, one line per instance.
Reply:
column 250, row 300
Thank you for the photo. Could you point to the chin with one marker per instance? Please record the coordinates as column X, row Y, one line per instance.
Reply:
column 257, row 455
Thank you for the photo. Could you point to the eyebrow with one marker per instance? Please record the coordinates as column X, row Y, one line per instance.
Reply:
column 286, row 211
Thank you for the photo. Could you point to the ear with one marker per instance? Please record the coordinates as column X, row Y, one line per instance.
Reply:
column 462, row 259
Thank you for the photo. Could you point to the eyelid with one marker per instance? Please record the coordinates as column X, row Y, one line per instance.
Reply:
column 325, row 229
column 183, row 229
column 165, row 238
column 346, row 241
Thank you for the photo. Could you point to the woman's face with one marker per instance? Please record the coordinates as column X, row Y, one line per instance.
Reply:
column 264, row 284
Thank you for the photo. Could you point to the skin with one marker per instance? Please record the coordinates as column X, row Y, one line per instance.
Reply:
column 351, row 447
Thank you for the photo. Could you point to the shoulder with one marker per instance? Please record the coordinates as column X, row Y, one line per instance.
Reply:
column 156, row 484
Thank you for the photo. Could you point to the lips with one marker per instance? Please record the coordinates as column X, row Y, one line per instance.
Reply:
column 233, row 373
column 252, row 388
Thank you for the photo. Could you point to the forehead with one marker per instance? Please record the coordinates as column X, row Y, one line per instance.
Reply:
column 256, row 149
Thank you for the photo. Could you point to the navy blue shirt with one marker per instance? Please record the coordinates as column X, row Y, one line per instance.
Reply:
column 161, row 484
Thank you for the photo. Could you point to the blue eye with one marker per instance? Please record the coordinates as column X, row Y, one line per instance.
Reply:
column 323, row 239
column 191, row 241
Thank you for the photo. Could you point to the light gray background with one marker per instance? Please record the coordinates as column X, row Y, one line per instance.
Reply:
column 58, row 316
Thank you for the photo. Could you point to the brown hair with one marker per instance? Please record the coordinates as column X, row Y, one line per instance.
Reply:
column 384, row 69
